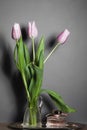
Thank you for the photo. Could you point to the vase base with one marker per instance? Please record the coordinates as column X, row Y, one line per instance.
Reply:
column 26, row 125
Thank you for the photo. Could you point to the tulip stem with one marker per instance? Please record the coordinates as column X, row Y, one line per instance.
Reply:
column 51, row 52
column 33, row 50
column 26, row 87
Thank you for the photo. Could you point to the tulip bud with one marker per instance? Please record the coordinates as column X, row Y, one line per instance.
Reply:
column 63, row 36
column 16, row 31
column 32, row 30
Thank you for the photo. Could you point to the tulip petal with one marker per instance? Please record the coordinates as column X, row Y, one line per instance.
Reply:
column 32, row 30
column 63, row 36
column 16, row 31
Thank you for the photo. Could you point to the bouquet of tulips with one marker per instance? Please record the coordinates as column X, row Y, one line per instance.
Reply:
column 32, row 69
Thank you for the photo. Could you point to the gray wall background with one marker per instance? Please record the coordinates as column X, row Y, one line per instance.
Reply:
column 66, row 70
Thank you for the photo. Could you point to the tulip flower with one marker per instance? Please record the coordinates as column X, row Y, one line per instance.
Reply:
column 33, row 33
column 32, row 30
column 63, row 36
column 61, row 39
column 16, row 31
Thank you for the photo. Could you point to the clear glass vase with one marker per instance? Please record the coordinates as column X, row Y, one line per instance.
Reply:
column 32, row 115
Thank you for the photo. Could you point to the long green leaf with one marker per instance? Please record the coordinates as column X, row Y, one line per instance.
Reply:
column 31, row 84
column 59, row 101
column 16, row 57
column 21, row 58
column 26, row 55
column 35, row 81
column 38, row 80
column 41, row 60
column 39, row 49
column 27, row 74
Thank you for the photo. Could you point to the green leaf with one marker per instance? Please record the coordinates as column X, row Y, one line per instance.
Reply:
column 16, row 57
column 26, row 55
column 59, row 101
column 27, row 62
column 27, row 74
column 31, row 84
column 21, row 58
column 41, row 60
column 35, row 81
column 39, row 50
column 38, row 80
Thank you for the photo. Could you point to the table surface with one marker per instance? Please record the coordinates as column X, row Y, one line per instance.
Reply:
column 6, row 126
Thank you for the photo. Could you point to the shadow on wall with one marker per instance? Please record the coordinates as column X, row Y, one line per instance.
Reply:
column 7, row 66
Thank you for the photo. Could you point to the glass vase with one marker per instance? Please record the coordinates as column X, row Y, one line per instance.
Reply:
column 32, row 115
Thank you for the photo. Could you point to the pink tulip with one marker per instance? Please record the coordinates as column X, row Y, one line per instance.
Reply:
column 63, row 36
column 16, row 31
column 32, row 30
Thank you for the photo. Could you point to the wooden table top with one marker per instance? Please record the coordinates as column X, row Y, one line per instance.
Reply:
column 6, row 126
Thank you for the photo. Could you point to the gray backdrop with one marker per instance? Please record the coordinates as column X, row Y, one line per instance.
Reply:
column 66, row 70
